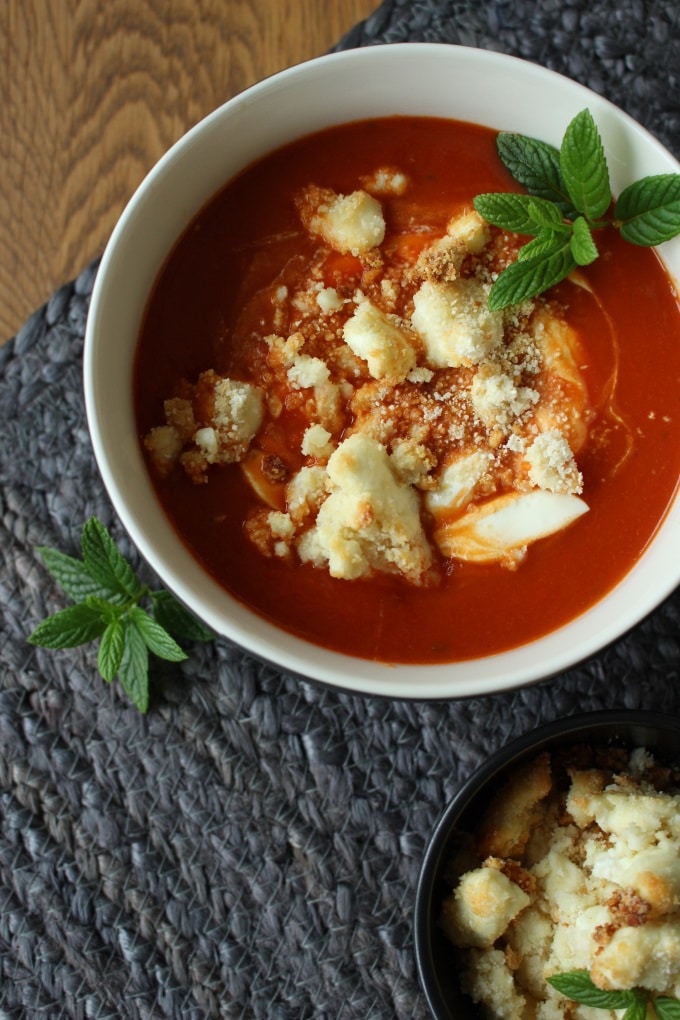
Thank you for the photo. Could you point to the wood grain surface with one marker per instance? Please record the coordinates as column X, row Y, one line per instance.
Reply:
column 92, row 94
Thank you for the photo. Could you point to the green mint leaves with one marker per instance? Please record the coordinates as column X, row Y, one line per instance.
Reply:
column 568, row 198
column 584, row 168
column 649, row 210
column 578, row 985
column 107, row 595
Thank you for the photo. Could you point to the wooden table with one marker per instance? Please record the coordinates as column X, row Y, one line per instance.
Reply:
column 92, row 94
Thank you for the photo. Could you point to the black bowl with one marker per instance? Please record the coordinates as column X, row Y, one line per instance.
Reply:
column 435, row 955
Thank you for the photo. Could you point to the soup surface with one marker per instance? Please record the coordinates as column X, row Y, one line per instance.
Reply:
column 354, row 447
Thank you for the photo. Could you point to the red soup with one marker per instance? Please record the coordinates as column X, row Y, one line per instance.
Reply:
column 352, row 445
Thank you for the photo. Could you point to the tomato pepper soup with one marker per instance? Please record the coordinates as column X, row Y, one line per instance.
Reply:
column 354, row 447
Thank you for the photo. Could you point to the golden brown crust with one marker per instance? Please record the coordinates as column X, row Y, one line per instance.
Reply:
column 513, row 810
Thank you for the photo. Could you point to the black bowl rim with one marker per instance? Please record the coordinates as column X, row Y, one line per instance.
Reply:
column 580, row 724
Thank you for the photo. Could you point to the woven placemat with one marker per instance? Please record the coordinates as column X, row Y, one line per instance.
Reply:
column 250, row 848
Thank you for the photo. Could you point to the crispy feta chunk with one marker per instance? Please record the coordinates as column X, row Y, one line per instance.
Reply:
column 233, row 413
column 530, row 937
column 490, row 981
column 482, row 906
column 236, row 419
column 284, row 350
column 305, row 371
column 316, row 442
column 179, row 413
column 552, row 465
column 652, row 872
column 351, row 223
column 634, row 820
column 466, row 234
column 385, row 180
column 308, row 372
column 497, row 400
column 206, row 440
column 329, row 300
column 563, row 884
column 457, row 482
column 514, row 809
column 306, row 491
column 369, row 521
column 469, row 230
column 576, row 935
column 164, row 446
column 455, row 324
column 281, row 525
column 411, row 461
column 647, row 956
column 374, row 336
column 165, row 443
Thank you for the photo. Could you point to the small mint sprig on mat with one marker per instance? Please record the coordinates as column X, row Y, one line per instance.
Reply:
column 569, row 197
column 107, row 594
column 578, row 986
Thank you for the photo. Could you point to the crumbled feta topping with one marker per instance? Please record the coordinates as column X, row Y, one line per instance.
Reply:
column 351, row 223
column 455, row 324
column 329, row 300
column 316, row 442
column 374, row 355
column 552, row 465
column 369, row 520
column 373, row 335
column 589, row 880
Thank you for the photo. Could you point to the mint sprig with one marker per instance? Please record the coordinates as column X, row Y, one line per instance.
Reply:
column 578, row 986
column 108, row 595
column 568, row 199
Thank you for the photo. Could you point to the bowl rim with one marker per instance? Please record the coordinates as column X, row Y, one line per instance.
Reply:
column 573, row 727
column 554, row 652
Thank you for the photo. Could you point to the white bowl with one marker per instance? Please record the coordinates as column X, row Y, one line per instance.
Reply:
column 488, row 88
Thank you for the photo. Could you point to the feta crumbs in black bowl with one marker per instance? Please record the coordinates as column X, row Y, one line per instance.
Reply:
column 551, row 883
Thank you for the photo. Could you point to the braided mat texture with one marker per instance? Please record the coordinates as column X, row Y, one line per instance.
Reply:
column 251, row 847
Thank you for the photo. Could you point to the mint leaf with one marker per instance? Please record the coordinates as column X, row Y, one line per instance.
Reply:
column 529, row 277
column 584, row 167
column 578, row 985
column 104, row 561
column 109, row 612
column 177, row 620
column 569, row 193
column 73, row 575
column 76, row 625
column 638, row 1007
column 546, row 215
column 519, row 213
column 545, row 242
column 156, row 638
column 133, row 671
column 107, row 594
column 582, row 245
column 649, row 210
column 667, row 1009
column 111, row 649
column 535, row 165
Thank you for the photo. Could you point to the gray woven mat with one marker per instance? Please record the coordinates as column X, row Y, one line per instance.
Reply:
column 251, row 847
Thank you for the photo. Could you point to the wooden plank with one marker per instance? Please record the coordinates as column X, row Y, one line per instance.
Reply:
column 93, row 94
